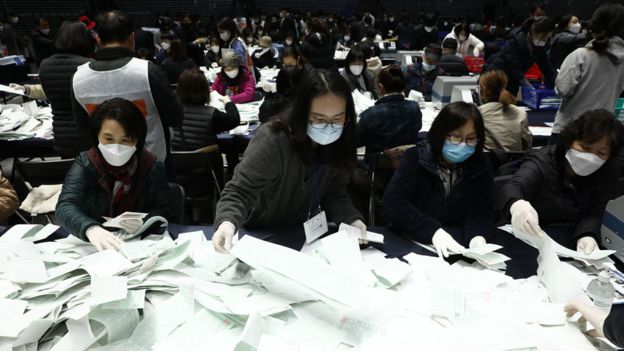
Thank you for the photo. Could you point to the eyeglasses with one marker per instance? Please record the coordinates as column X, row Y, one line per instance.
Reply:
column 323, row 125
column 454, row 139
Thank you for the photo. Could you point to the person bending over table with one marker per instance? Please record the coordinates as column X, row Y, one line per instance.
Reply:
column 442, row 192
column 563, row 189
column 116, row 175
column 235, row 80
column 296, row 165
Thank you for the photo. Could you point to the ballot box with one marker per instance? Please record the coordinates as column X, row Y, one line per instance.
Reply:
column 612, row 231
column 443, row 88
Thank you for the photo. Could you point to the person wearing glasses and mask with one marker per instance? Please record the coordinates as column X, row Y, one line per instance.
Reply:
column 442, row 192
column 528, row 47
column 563, row 189
column 297, row 166
column 116, row 175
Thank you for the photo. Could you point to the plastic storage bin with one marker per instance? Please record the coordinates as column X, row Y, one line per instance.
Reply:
column 475, row 64
column 537, row 97
column 619, row 109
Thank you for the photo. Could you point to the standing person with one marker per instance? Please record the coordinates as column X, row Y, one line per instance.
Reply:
column 230, row 36
column 466, row 40
column 177, row 62
column 139, row 81
column 427, row 32
column 287, row 25
column 14, row 38
column 405, row 34
column 42, row 41
column 582, row 80
column 74, row 47
column 313, row 152
column 526, row 48
column 568, row 39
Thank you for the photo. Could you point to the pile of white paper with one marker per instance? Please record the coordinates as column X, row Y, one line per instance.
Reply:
column 25, row 121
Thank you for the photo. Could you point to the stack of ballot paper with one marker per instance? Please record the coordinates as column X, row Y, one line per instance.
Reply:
column 25, row 121
column 164, row 294
column 485, row 255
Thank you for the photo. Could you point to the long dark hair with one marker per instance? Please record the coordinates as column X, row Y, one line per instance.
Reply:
column 317, row 82
column 452, row 117
column 607, row 21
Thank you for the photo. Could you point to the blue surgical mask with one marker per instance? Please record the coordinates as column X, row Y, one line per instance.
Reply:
column 457, row 153
column 324, row 136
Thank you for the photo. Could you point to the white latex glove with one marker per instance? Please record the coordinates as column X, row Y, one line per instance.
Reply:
column 362, row 227
column 17, row 87
column 444, row 243
column 131, row 225
column 524, row 218
column 586, row 245
column 222, row 238
column 102, row 239
column 214, row 65
column 590, row 313
column 477, row 241
column 476, row 52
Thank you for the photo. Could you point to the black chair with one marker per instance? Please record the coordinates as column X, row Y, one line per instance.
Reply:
column 195, row 172
column 502, row 161
column 177, row 200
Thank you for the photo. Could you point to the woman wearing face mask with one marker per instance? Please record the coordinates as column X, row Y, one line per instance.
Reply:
column 310, row 152
column 213, row 56
column 442, row 192
column 356, row 74
column 345, row 43
column 466, row 40
column 593, row 77
column 115, row 176
column 563, row 189
column 230, row 37
column 235, row 81
column 568, row 39
column 527, row 47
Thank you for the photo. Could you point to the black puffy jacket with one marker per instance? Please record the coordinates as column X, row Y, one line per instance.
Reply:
column 201, row 125
column 56, row 74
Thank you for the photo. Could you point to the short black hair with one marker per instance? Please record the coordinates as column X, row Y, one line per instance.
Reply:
column 288, row 80
column 537, row 6
column 543, row 25
column 392, row 78
column 355, row 54
column 229, row 25
column 193, row 87
column 452, row 117
column 177, row 51
column 113, row 26
column 126, row 114
column 462, row 27
column 564, row 21
column 318, row 82
column 39, row 19
column 74, row 38
column 590, row 127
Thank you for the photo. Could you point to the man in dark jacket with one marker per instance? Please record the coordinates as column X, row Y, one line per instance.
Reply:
column 421, row 76
column 426, row 33
column 116, row 73
column 42, row 42
column 452, row 64
column 287, row 25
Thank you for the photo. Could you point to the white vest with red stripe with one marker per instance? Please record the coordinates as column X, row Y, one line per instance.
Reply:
column 130, row 82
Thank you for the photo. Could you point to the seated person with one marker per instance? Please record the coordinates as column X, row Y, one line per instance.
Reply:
column 297, row 166
column 393, row 121
column 288, row 80
column 356, row 74
column 345, row 43
column 115, row 176
column 165, row 46
column 9, row 202
column 201, row 123
column 452, row 64
column 265, row 56
column 606, row 323
column 563, row 189
column 235, row 80
column 422, row 75
column 442, row 192
column 291, row 57
column 176, row 62
column 213, row 56
column 506, row 125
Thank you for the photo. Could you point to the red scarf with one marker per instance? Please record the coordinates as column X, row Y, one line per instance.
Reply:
column 118, row 182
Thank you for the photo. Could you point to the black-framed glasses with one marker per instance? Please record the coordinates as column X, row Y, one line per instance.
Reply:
column 454, row 139
column 323, row 125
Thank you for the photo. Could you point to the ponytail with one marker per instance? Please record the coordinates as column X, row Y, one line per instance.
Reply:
column 506, row 98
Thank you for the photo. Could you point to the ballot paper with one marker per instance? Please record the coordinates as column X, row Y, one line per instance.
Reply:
column 342, row 251
column 108, row 289
column 392, row 272
column 355, row 232
column 250, row 339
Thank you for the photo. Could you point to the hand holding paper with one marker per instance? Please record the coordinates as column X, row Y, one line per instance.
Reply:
column 102, row 239
column 222, row 238
column 590, row 313
column 524, row 218
column 444, row 243
column 362, row 227
column 586, row 245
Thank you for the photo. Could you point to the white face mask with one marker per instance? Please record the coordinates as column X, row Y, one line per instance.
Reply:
column 575, row 28
column 215, row 49
column 289, row 42
column 260, row 32
column 584, row 163
column 378, row 38
column 225, row 36
column 428, row 29
column 324, row 136
column 232, row 74
column 165, row 45
column 45, row 31
column 347, row 38
column 539, row 43
column 249, row 40
column 116, row 155
column 356, row 69
column 15, row 20
column 428, row 67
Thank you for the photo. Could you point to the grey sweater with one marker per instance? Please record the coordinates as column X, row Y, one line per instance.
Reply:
column 588, row 81
column 272, row 187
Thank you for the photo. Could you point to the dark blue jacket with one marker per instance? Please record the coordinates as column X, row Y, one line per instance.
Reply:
column 416, row 205
column 419, row 80
column 392, row 122
column 517, row 57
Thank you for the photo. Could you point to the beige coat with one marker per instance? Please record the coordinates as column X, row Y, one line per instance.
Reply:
column 506, row 127
column 8, row 199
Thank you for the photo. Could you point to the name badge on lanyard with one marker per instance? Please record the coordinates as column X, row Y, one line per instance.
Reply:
column 316, row 226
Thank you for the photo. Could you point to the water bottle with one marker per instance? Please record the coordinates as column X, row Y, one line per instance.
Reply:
column 601, row 291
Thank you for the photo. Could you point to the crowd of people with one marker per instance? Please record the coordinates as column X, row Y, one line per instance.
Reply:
column 123, row 98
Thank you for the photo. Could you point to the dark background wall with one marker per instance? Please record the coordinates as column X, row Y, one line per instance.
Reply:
column 144, row 10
